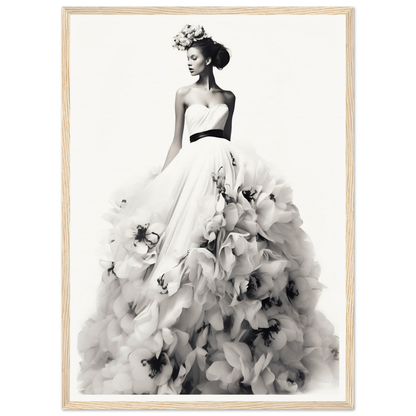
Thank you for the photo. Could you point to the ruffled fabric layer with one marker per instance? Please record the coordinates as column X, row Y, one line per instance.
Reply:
column 210, row 285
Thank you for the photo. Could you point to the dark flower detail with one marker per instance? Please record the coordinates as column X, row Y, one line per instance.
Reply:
column 202, row 328
column 219, row 180
column 132, row 309
column 290, row 292
column 155, row 365
column 228, row 199
column 207, row 345
column 335, row 353
column 249, row 194
column 109, row 359
column 300, row 381
column 111, row 270
column 266, row 333
column 269, row 302
column 210, row 246
column 253, row 285
column 245, row 389
column 122, row 203
column 175, row 369
column 142, row 234
column 233, row 160
column 187, row 387
column 272, row 197
column 161, row 283
column 228, row 323
column 289, row 380
column 259, row 237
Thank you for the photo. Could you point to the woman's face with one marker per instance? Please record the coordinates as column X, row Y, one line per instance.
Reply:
column 196, row 61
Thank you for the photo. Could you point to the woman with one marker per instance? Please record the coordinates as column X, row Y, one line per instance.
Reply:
column 205, row 91
column 211, row 285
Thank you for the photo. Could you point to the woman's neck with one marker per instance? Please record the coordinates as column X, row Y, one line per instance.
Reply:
column 207, row 81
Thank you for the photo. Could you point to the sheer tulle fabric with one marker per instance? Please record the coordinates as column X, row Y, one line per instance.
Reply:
column 210, row 284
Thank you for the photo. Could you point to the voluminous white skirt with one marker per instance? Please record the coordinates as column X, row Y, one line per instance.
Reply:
column 210, row 285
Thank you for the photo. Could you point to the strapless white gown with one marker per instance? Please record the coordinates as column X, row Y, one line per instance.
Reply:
column 210, row 284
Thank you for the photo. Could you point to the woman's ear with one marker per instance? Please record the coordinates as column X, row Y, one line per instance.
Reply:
column 208, row 61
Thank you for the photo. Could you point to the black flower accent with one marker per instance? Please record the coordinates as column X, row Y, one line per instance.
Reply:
column 228, row 199
column 142, row 235
column 210, row 246
column 272, row 197
column 269, row 302
column 253, row 285
column 219, row 180
column 290, row 290
column 300, row 381
column 161, row 283
column 187, row 387
column 122, row 203
column 245, row 389
column 111, row 270
column 204, row 325
column 155, row 365
column 132, row 309
column 267, row 333
column 228, row 323
column 249, row 194
column 233, row 160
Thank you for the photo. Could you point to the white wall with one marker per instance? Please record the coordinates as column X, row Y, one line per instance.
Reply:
column 288, row 73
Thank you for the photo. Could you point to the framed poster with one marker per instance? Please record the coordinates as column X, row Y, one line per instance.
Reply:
column 217, row 143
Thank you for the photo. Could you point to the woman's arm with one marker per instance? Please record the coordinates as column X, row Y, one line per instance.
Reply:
column 231, row 105
column 179, row 125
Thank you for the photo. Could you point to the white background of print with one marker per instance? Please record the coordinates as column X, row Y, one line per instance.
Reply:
column 288, row 73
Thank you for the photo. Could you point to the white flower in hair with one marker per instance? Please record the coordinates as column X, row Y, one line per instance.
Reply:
column 189, row 34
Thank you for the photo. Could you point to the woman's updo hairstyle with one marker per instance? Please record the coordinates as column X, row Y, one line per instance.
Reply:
column 195, row 36
column 214, row 50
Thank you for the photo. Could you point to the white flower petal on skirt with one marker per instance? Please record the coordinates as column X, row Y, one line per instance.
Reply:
column 280, row 340
column 127, row 323
column 234, row 351
column 171, row 308
column 140, row 248
column 319, row 371
column 215, row 371
column 146, row 322
column 123, row 382
column 120, row 306
column 166, row 372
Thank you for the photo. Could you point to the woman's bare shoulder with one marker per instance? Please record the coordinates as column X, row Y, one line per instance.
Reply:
column 181, row 94
column 182, row 91
column 229, row 97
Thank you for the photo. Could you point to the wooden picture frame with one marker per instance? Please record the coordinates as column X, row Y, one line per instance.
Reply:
column 345, row 12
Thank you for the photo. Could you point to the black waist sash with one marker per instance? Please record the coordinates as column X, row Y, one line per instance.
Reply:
column 213, row 133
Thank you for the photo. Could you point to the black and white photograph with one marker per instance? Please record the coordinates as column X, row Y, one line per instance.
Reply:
column 208, row 195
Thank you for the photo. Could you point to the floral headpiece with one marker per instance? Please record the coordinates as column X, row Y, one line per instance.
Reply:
column 183, row 40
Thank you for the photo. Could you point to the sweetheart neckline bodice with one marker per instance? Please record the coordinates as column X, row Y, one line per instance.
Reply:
column 208, row 108
column 202, row 118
